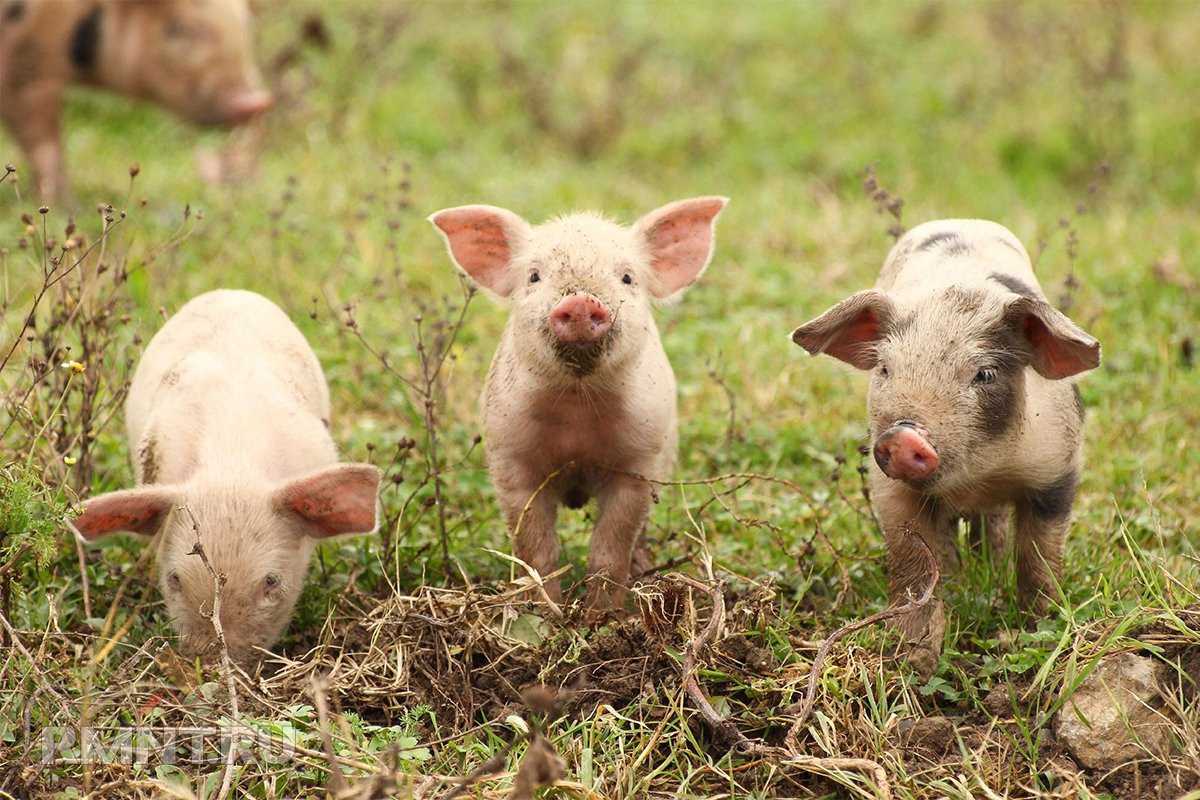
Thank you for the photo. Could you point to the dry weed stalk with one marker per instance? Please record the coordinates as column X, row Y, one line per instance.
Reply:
column 541, row 765
column 790, row 753
column 601, row 121
column 885, row 201
column 226, row 663
column 434, row 342
column 1094, row 196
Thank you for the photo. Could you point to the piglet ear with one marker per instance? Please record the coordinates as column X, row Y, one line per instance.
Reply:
column 1060, row 348
column 341, row 499
column 482, row 240
column 850, row 330
column 680, row 239
column 140, row 510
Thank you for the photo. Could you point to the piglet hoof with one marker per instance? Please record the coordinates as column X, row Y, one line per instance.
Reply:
column 549, row 593
column 605, row 601
column 642, row 565
column 1034, row 603
column 923, row 630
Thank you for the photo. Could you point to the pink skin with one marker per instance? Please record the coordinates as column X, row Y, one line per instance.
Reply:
column 246, row 104
column 580, row 318
column 903, row 453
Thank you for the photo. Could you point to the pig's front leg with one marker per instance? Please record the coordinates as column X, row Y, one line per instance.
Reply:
column 33, row 112
column 1043, row 518
column 622, row 508
column 530, row 516
column 907, row 516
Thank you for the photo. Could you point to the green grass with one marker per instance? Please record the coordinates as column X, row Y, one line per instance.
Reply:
column 996, row 110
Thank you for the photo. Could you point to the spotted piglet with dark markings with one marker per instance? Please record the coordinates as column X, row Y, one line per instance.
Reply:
column 973, row 411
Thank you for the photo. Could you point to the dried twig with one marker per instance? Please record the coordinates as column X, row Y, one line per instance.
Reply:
column 787, row 755
column 825, row 765
column 814, row 673
column 320, row 686
column 226, row 662
column 720, row 726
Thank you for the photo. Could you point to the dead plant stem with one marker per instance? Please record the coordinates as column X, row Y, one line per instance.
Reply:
column 226, row 662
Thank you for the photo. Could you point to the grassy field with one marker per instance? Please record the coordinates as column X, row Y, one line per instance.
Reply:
column 1072, row 123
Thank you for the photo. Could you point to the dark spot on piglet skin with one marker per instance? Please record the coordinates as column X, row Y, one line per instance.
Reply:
column 948, row 242
column 14, row 11
column 148, row 458
column 1055, row 500
column 1014, row 285
column 85, row 42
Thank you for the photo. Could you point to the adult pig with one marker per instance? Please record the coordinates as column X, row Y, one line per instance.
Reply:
column 580, row 400
column 228, row 415
column 973, row 413
column 191, row 56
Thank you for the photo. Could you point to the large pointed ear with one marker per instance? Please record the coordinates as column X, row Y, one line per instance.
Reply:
column 482, row 241
column 140, row 510
column 1059, row 347
column 680, row 239
column 341, row 499
column 850, row 330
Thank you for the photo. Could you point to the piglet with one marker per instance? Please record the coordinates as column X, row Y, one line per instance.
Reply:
column 191, row 56
column 580, row 399
column 973, row 411
column 228, row 417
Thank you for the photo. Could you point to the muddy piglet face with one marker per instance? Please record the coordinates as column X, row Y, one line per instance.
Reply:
column 262, row 557
column 948, row 391
column 259, row 538
column 581, row 287
column 583, row 284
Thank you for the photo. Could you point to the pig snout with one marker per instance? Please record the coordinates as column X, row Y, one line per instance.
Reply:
column 580, row 319
column 245, row 105
column 903, row 452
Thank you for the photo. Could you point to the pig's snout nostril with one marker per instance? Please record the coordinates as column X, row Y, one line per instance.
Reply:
column 903, row 452
column 580, row 318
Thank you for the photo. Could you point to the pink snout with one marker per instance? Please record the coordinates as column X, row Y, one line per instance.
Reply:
column 246, row 104
column 580, row 318
column 903, row 452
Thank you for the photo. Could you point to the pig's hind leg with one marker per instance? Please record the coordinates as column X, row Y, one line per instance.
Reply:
column 1043, row 519
column 993, row 530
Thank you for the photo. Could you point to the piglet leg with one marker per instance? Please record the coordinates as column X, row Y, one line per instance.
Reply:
column 622, row 509
column 1043, row 519
column 530, row 516
column 32, row 112
column 908, row 520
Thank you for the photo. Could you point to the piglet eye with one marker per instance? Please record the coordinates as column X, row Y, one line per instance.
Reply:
column 271, row 581
column 627, row 279
column 985, row 375
column 883, row 372
column 534, row 277
column 173, row 582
